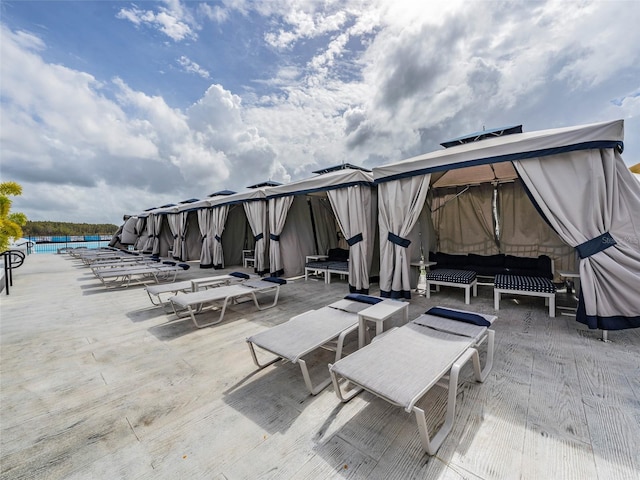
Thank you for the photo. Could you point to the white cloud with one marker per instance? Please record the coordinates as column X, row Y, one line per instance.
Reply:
column 60, row 131
column 382, row 81
column 190, row 66
column 174, row 20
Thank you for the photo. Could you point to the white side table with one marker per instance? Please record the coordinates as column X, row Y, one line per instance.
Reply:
column 378, row 313
column 420, row 265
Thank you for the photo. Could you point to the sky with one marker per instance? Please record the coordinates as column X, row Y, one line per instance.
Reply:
column 109, row 108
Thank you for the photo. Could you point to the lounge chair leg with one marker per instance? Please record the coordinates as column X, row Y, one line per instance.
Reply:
column 336, row 386
column 431, row 446
column 255, row 357
column 496, row 300
column 202, row 325
column 307, row 379
column 467, row 295
column 481, row 375
column 275, row 300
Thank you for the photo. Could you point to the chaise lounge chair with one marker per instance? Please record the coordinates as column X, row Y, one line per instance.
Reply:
column 310, row 331
column 402, row 365
column 143, row 274
column 155, row 292
column 194, row 302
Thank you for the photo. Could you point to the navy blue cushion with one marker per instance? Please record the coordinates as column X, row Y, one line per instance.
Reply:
column 167, row 262
column 184, row 266
column 525, row 283
column 466, row 317
column 359, row 297
column 487, row 260
column 521, row 263
column 448, row 260
column 338, row 255
column 453, row 276
column 279, row 281
column 239, row 275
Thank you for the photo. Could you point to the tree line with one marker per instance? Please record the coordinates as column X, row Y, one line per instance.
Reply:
column 47, row 228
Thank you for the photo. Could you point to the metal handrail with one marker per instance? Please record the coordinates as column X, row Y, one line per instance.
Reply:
column 10, row 265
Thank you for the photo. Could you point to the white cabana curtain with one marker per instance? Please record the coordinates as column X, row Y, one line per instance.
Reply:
column 399, row 205
column 204, row 224
column 192, row 239
column 218, row 220
column 151, row 229
column 142, row 233
column 297, row 239
column 352, row 207
column 128, row 235
column 523, row 231
column 174, row 226
column 325, row 225
column 157, row 225
column 464, row 220
column 278, row 208
column 592, row 201
column 182, row 253
column 256, row 213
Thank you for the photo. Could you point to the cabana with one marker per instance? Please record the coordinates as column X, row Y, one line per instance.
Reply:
column 143, row 230
column 160, row 237
column 577, row 181
column 234, row 223
column 183, row 223
column 126, row 234
column 307, row 217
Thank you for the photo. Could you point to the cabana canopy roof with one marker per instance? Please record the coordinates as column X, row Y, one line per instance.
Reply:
column 342, row 166
column 268, row 183
column 222, row 192
column 474, row 137
column 518, row 146
column 321, row 183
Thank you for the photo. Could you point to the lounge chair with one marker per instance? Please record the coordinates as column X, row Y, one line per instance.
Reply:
column 402, row 365
column 123, row 263
column 193, row 302
column 310, row 331
column 155, row 273
column 155, row 292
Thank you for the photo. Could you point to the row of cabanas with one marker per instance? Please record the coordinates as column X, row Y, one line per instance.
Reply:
column 563, row 192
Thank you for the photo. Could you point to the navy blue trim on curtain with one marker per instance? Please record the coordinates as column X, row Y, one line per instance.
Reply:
column 406, row 294
column 258, row 237
column 398, row 240
column 353, row 289
column 616, row 322
column 218, row 266
column 203, row 237
column 278, row 273
column 206, row 265
column 355, row 239
column 275, row 238
column 175, row 236
column 218, row 238
column 595, row 245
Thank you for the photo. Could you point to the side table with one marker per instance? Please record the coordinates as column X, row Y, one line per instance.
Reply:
column 378, row 313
